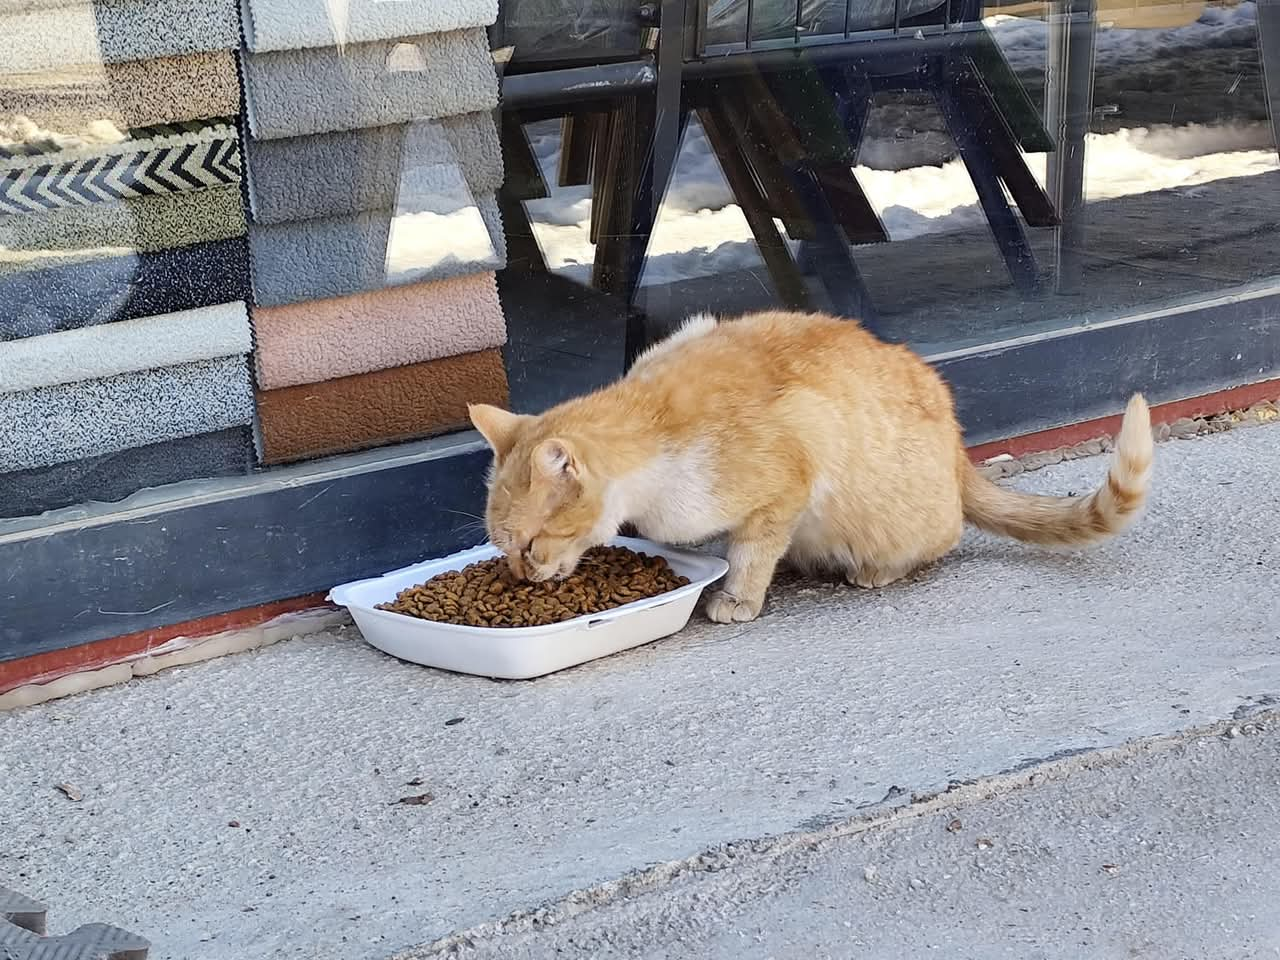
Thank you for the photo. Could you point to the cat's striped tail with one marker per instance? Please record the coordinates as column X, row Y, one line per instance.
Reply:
column 1071, row 520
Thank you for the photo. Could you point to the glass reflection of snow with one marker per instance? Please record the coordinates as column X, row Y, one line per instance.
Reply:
column 916, row 183
column 437, row 230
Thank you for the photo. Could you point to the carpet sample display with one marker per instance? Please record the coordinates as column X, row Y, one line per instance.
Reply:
column 111, row 477
column 293, row 93
column 140, row 93
column 29, row 241
column 298, row 423
column 35, row 302
column 95, row 353
column 338, row 256
column 175, row 162
column 333, row 174
column 72, row 421
column 294, row 24
column 114, row 31
column 327, row 339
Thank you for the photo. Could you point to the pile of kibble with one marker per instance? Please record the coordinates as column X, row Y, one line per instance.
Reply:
column 486, row 594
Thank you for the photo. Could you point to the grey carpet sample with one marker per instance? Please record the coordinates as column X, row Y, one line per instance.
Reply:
column 474, row 138
column 111, row 477
column 293, row 93
column 36, row 302
column 324, row 175
column 299, row 178
column 94, row 353
column 295, row 24
column 435, row 231
column 114, row 31
column 336, row 256
column 30, row 241
column 71, row 421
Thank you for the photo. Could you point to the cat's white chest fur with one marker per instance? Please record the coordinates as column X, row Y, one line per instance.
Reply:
column 673, row 499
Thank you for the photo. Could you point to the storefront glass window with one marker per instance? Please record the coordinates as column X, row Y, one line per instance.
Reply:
column 240, row 238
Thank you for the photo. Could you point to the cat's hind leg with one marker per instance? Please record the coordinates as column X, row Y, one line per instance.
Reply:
column 872, row 569
column 871, row 577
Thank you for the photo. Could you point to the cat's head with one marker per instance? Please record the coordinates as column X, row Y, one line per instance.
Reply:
column 546, row 506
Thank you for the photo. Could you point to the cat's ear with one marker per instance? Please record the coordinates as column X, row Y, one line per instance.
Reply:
column 499, row 427
column 556, row 459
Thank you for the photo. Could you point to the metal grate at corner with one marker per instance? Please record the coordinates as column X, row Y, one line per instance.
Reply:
column 23, row 936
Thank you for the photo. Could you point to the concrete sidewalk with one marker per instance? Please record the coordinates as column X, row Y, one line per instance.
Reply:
column 1168, row 850
column 247, row 807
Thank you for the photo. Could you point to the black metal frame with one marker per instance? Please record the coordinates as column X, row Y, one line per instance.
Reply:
column 948, row 54
column 640, row 110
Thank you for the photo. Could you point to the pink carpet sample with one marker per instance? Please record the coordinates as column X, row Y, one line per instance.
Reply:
column 323, row 340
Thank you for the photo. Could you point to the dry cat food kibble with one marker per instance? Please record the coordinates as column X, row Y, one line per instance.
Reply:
column 486, row 594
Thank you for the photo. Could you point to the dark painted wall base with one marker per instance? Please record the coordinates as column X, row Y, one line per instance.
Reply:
column 137, row 568
column 1084, row 373
column 188, row 560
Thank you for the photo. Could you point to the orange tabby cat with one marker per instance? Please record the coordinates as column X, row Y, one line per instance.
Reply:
column 791, row 434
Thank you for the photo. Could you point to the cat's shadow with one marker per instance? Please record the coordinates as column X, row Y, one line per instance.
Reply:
column 968, row 562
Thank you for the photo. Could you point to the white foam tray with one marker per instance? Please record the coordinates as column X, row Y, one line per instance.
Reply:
column 520, row 653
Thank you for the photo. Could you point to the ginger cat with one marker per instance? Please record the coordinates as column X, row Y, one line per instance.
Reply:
column 794, row 435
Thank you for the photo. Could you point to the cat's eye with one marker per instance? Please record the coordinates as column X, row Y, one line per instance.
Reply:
column 544, row 546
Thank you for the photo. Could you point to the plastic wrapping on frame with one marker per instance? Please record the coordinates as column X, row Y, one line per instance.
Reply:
column 570, row 30
column 539, row 30
column 783, row 19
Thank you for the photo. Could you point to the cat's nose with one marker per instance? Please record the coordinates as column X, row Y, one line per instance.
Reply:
column 516, row 563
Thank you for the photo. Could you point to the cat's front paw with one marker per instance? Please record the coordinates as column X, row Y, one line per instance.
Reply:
column 725, row 608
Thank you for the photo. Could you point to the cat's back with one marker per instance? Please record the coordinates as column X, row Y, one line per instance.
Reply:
column 772, row 348
column 804, row 367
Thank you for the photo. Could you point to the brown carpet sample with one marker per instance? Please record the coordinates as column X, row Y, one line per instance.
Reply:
column 139, row 93
column 352, row 413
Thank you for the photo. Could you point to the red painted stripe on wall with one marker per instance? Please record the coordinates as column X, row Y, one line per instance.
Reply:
column 1237, row 398
column 43, row 667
